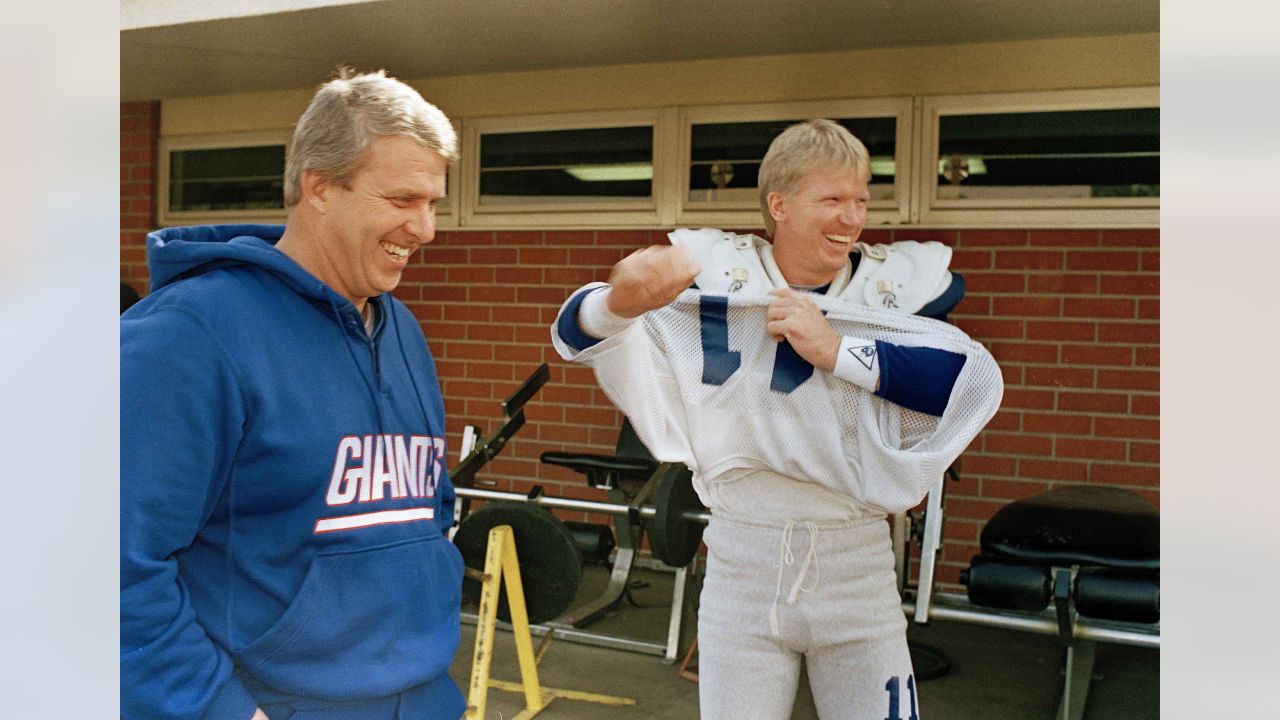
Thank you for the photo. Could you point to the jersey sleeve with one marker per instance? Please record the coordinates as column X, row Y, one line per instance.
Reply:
column 180, row 417
column 919, row 378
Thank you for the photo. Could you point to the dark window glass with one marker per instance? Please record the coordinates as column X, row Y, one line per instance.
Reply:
column 243, row 178
column 573, row 165
column 726, row 157
column 1065, row 154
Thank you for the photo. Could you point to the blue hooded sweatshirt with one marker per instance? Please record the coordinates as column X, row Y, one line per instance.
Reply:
column 283, row 495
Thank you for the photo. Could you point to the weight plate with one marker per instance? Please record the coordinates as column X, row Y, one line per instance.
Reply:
column 673, row 538
column 550, row 562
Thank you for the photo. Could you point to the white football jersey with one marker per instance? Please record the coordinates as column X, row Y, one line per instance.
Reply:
column 704, row 384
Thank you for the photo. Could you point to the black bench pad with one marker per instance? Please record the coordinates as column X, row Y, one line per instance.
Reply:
column 1077, row 525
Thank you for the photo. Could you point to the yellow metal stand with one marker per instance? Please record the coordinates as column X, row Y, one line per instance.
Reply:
column 500, row 558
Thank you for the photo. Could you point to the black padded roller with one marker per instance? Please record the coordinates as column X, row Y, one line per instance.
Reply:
column 593, row 539
column 1108, row 594
column 1009, row 587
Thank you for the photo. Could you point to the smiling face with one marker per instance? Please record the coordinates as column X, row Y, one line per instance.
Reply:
column 369, row 230
column 817, row 222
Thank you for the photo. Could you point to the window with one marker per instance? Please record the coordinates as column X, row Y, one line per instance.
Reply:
column 1070, row 157
column 233, row 178
column 724, row 148
column 558, row 169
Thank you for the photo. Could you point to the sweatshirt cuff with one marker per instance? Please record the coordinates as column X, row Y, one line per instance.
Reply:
column 857, row 362
column 233, row 702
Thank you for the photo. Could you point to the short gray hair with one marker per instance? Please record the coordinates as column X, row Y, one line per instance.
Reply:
column 345, row 115
column 802, row 147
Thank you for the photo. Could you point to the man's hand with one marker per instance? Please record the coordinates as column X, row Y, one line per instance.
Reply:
column 795, row 317
column 259, row 715
column 650, row 278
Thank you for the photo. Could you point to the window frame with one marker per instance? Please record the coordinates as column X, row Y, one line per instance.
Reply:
column 1025, row 212
column 742, row 215
column 615, row 213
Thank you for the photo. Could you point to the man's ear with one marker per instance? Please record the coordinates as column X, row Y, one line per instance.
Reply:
column 315, row 189
column 776, row 204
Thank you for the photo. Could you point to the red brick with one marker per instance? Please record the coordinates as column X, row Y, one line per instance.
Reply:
column 989, row 282
column 1027, row 306
column 1012, row 374
column 1093, row 402
column 1102, row 260
column 1062, row 377
column 548, row 295
column 1087, row 449
column 570, row 276
column 488, row 371
column 1029, row 260
column 494, row 256
column 532, row 334
column 1057, row 423
column 1064, row 238
column 445, row 331
column 460, row 238
column 1131, row 238
column 992, row 238
column 1138, row 429
column 1005, row 420
column 1129, row 379
column 543, row 256
column 972, row 508
column 1144, row 452
column 1060, row 330
column 975, row 465
column 1149, row 309
column 522, row 354
column 1147, row 357
column 469, row 351
column 1024, row 352
column 594, row 257
column 1145, row 405
column 1059, row 284
column 960, row 530
column 439, row 255
column 491, row 333
column 466, row 389
column 1053, row 470
column 1010, row 490
column 469, row 275
column 1151, row 261
column 1131, row 284
column 518, row 238
column 569, row 237
column 1095, row 355
column 1017, row 444
column 985, row 329
column 493, row 294
column 1135, row 332
column 467, row 313
column 1016, row 397
column 1111, row 308
column 1124, row 474
column 630, row 238
column 971, row 260
column 973, row 305
column 423, row 274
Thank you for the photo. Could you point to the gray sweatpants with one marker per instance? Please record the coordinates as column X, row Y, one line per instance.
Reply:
column 775, row 592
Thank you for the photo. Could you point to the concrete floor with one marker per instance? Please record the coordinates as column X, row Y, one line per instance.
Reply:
column 994, row 674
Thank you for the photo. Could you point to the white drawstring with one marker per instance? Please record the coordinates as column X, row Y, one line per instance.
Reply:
column 785, row 560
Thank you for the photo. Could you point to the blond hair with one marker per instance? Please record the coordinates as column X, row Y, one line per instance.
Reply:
column 802, row 147
column 346, row 114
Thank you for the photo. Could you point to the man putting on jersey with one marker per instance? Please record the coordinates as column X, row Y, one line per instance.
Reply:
column 807, row 387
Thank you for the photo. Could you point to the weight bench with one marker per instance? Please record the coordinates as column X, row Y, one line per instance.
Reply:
column 1093, row 553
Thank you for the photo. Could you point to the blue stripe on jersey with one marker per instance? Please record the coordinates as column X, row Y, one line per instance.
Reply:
column 568, row 324
column 920, row 378
column 789, row 369
column 718, row 361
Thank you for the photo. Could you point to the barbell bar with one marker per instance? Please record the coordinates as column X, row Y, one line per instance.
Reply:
column 605, row 508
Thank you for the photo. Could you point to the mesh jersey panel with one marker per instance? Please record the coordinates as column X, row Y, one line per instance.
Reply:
column 825, row 430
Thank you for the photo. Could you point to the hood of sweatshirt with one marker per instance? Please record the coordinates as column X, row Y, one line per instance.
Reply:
column 181, row 252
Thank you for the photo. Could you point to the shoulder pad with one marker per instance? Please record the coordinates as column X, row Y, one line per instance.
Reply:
column 903, row 276
column 730, row 262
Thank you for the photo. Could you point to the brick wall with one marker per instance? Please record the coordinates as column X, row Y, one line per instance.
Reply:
column 139, row 131
column 1072, row 316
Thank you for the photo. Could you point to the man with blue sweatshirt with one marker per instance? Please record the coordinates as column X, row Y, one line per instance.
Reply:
column 283, row 488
